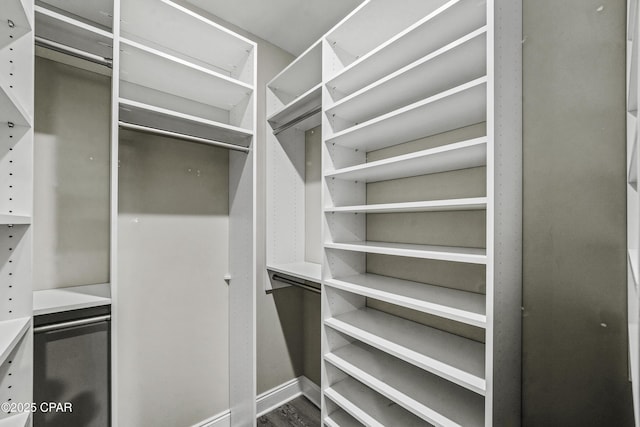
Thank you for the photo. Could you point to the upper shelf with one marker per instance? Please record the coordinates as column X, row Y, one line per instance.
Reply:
column 72, row 298
column 8, row 219
column 300, row 107
column 446, row 24
column 433, row 399
column 469, row 204
column 96, row 12
column 299, row 77
column 461, row 306
column 441, row 253
column 11, row 331
column 369, row 407
column 68, row 31
column 454, row 358
column 455, row 108
column 450, row 157
column 161, row 118
column 457, row 63
column 304, row 270
column 140, row 64
column 176, row 30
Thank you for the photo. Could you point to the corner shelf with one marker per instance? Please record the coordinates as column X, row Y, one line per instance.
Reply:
column 18, row 420
column 455, row 108
column 161, row 118
column 475, row 203
column 299, row 77
column 450, row 157
column 139, row 65
column 456, row 359
column 369, row 407
column 433, row 399
column 442, row 253
column 446, row 24
column 305, row 103
column 460, row 306
column 8, row 219
column 68, row 31
column 304, row 270
column 11, row 331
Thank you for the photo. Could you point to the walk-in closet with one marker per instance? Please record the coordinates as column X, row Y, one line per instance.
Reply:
column 318, row 213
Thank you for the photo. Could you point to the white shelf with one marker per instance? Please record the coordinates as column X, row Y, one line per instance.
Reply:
column 340, row 418
column 433, row 399
column 304, row 270
column 304, row 73
column 171, row 28
column 161, row 118
column 369, row 407
column 455, row 108
column 13, row 10
column 11, row 331
column 470, row 204
column 97, row 12
column 633, row 261
column 11, row 110
column 18, row 420
column 71, row 298
column 461, row 306
column 70, row 32
column 455, row 64
column 442, row 253
column 456, row 359
column 140, row 65
column 8, row 219
column 445, row 25
column 460, row 155
column 308, row 101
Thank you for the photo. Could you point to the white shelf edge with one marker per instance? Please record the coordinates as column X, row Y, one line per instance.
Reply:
column 293, row 63
column 9, row 219
column 11, row 331
column 73, row 22
column 299, row 100
column 423, row 305
column 407, row 68
column 188, row 117
column 393, row 39
column 184, row 63
column 303, row 270
column 49, row 301
column 440, row 253
column 434, row 366
column 475, row 203
column 400, row 111
column 337, row 173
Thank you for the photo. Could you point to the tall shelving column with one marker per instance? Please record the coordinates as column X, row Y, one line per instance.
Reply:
column 16, row 204
column 422, row 201
column 633, row 203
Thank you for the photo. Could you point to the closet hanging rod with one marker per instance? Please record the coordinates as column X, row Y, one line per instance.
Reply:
column 297, row 120
column 154, row 131
column 59, row 47
column 295, row 283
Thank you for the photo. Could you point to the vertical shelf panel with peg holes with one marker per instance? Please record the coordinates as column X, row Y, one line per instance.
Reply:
column 16, row 195
column 633, row 203
column 421, row 298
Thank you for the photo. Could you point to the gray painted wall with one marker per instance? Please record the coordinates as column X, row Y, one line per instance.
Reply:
column 71, row 176
column 574, row 349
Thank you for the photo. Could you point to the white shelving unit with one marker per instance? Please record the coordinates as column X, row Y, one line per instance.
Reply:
column 16, row 205
column 403, row 345
column 633, row 206
column 294, row 99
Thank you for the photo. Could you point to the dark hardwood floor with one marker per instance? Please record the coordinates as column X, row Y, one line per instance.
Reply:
column 299, row 412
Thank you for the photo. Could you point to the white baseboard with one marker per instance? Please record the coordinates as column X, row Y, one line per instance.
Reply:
column 271, row 399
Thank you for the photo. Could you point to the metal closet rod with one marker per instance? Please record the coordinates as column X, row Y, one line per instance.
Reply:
column 184, row 137
column 62, row 48
column 297, row 120
column 295, row 283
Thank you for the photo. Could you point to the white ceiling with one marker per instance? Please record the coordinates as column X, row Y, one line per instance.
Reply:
column 292, row 25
